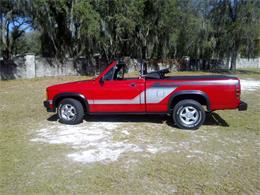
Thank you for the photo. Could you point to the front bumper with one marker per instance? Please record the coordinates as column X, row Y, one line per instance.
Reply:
column 242, row 106
column 48, row 106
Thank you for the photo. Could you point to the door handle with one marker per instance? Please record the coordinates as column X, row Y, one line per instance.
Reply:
column 133, row 85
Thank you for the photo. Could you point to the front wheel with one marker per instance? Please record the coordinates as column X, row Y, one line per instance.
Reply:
column 70, row 111
column 188, row 114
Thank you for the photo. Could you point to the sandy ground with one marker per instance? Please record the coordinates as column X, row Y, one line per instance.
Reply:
column 94, row 141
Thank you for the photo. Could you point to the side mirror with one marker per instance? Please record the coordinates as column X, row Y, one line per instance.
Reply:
column 102, row 80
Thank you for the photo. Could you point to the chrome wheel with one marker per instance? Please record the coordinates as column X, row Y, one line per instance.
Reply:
column 68, row 112
column 189, row 115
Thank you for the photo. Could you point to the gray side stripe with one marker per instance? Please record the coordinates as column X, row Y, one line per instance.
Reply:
column 153, row 95
column 157, row 94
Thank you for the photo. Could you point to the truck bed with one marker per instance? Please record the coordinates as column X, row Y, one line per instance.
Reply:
column 198, row 77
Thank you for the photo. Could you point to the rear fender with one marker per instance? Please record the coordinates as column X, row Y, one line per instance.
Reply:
column 190, row 94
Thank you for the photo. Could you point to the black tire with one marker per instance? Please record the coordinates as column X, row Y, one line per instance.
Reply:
column 70, row 111
column 194, row 118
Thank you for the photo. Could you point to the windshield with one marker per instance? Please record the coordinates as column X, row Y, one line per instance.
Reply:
column 109, row 75
column 115, row 73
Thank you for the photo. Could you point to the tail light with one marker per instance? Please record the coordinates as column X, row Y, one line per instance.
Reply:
column 238, row 89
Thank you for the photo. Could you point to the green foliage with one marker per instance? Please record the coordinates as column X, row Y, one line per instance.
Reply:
column 235, row 25
column 13, row 23
column 150, row 29
column 29, row 43
column 87, row 17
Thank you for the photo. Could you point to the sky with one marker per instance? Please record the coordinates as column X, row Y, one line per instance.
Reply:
column 27, row 27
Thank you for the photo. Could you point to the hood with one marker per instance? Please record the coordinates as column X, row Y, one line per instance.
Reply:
column 70, row 86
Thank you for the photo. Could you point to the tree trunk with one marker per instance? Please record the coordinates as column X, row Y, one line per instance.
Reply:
column 227, row 62
column 2, row 29
column 5, row 39
column 144, row 56
column 175, row 51
column 233, row 59
column 47, row 45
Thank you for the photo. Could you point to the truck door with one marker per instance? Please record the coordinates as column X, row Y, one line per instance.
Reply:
column 116, row 94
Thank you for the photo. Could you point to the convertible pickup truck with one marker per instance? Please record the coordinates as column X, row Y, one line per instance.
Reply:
column 185, row 98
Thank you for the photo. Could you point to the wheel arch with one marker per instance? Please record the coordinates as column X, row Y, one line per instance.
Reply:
column 196, row 95
column 77, row 96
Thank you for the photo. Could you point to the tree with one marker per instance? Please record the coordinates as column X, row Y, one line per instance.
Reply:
column 14, row 23
column 65, row 26
column 147, row 29
column 118, row 21
column 235, row 25
column 28, row 43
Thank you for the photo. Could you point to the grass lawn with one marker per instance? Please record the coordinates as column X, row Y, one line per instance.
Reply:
column 222, row 157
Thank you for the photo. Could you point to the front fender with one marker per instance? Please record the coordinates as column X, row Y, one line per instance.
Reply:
column 78, row 96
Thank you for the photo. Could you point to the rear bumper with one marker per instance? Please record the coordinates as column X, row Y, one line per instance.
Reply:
column 48, row 106
column 242, row 106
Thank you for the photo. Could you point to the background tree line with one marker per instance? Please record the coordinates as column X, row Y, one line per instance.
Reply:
column 147, row 29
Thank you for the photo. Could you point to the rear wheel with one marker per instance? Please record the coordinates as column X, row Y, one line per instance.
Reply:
column 188, row 114
column 70, row 111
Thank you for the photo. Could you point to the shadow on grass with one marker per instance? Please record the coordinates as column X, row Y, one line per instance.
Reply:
column 214, row 119
column 211, row 119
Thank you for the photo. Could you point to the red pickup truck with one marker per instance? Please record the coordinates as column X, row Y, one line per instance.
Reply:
column 184, row 97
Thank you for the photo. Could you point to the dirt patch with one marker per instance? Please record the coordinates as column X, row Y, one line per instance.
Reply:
column 106, row 141
column 93, row 140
